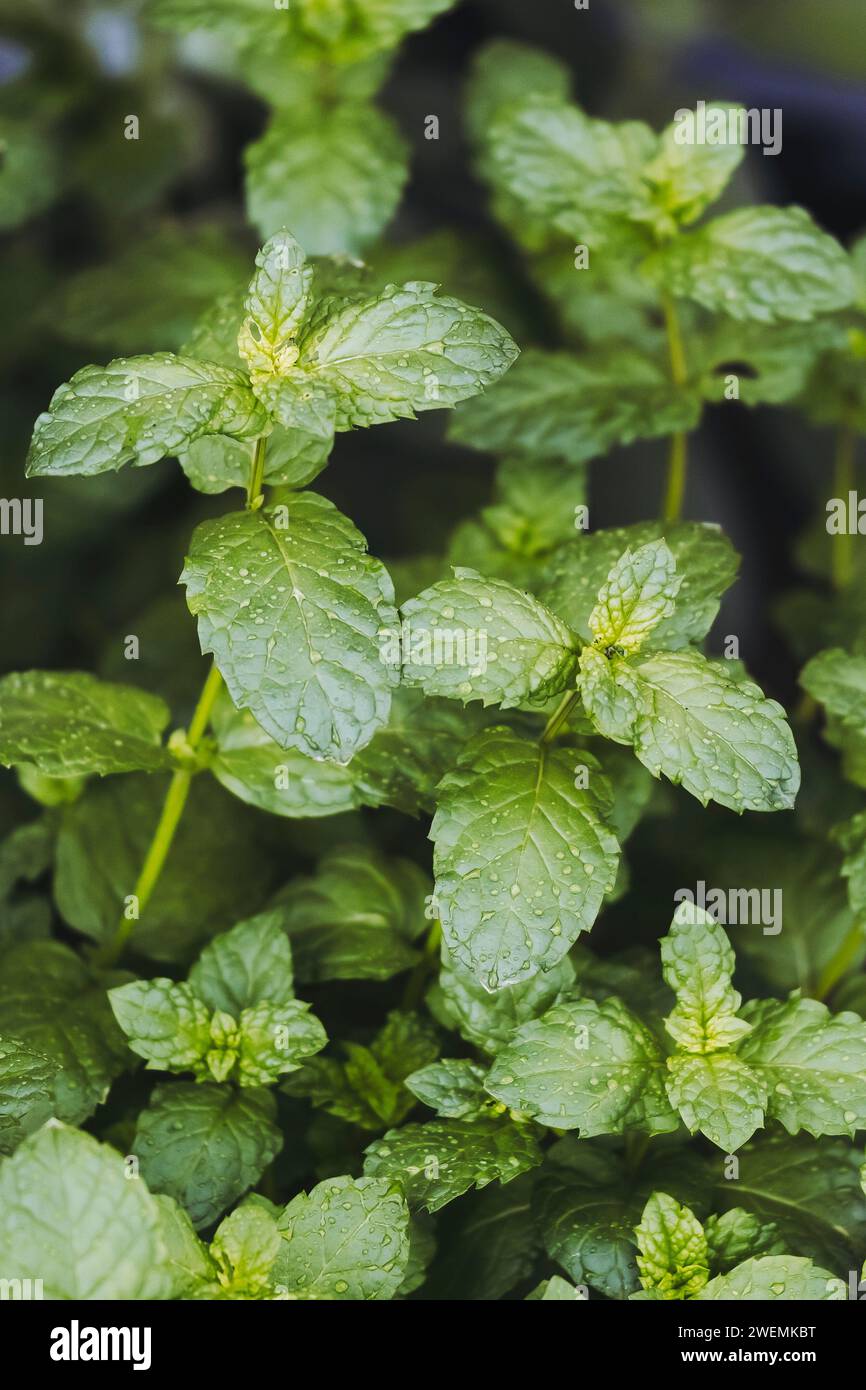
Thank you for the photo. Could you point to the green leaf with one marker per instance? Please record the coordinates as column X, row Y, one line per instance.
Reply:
column 357, row 918
column 50, row 1002
column 706, row 564
column 274, row 1039
column 736, row 1234
column 536, row 504
column 346, row 1239
column 436, row 1162
column 30, row 172
column 189, row 1262
column 218, row 869
column 556, row 406
column 69, row 724
column 249, row 965
column 453, row 1087
column 611, row 694
column 636, row 596
column 582, row 175
column 720, row 738
column 837, row 680
column 810, row 1189
column 775, row 1276
column 245, row 1247
column 473, row 638
column 698, row 963
column 249, row 764
column 205, row 1144
column 403, row 351
column 164, row 1022
column 138, row 409
column 276, row 305
column 487, row 1243
column 719, row 1095
column 673, row 1258
column 503, row 71
column 460, row 1001
column 760, row 263
column 523, row 856
column 26, row 1091
column 290, row 605
column 406, row 760
column 70, row 1217
column 811, row 1064
column 587, row 1066
column 366, row 159
column 556, row 1289
column 689, row 173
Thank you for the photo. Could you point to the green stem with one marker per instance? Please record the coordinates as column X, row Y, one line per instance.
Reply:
column 166, row 826
column 559, row 716
column 677, row 461
column 257, row 473
column 839, row 964
column 417, row 980
column 843, row 483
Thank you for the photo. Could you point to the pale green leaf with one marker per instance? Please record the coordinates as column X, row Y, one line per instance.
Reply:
column 137, row 410
column 460, row 1001
column 673, row 1259
column 249, row 965
column 26, row 1091
column 690, row 170
column 736, row 1234
column 346, row 1239
column 245, row 1247
column 585, row 1066
column 761, row 263
column 276, row 305
column 453, row 1087
column 775, row 1276
column 274, row 1039
column 70, row 1217
column 473, row 638
column 163, row 1022
column 523, row 856
column 291, row 606
column 719, row 1095
column 698, row 964
column 638, row 594
column 403, row 351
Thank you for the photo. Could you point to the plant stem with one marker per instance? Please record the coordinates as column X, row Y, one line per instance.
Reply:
column 559, row 716
column 676, row 483
column 257, row 472
column 843, row 483
column 417, row 980
column 166, row 826
column 839, row 963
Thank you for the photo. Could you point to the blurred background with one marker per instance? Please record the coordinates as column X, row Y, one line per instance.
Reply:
column 113, row 247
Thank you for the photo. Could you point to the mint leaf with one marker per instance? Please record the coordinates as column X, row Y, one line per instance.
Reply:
column 138, row 409
column 706, row 564
column 688, row 175
column 367, row 162
column 719, row 1095
column 452, row 1087
column 698, row 963
column 775, row 1276
column 637, row 595
column 406, row 350
column 555, row 406
column 673, row 1258
column 346, row 1239
column 357, row 918
column 523, row 857
column 26, row 1091
column 245, row 1247
column 474, row 638
column 273, row 1039
column 249, row 965
column 736, row 1233
column 276, row 305
column 165, row 1022
column 585, row 1066
column 205, row 1144
column 810, row 1063
column 51, row 1003
column 69, row 724
column 760, row 263
column 290, row 605
column 439, row 1161
column 62, row 1181
column 294, row 455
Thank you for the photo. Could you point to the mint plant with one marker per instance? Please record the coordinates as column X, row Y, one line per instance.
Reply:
column 378, row 904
